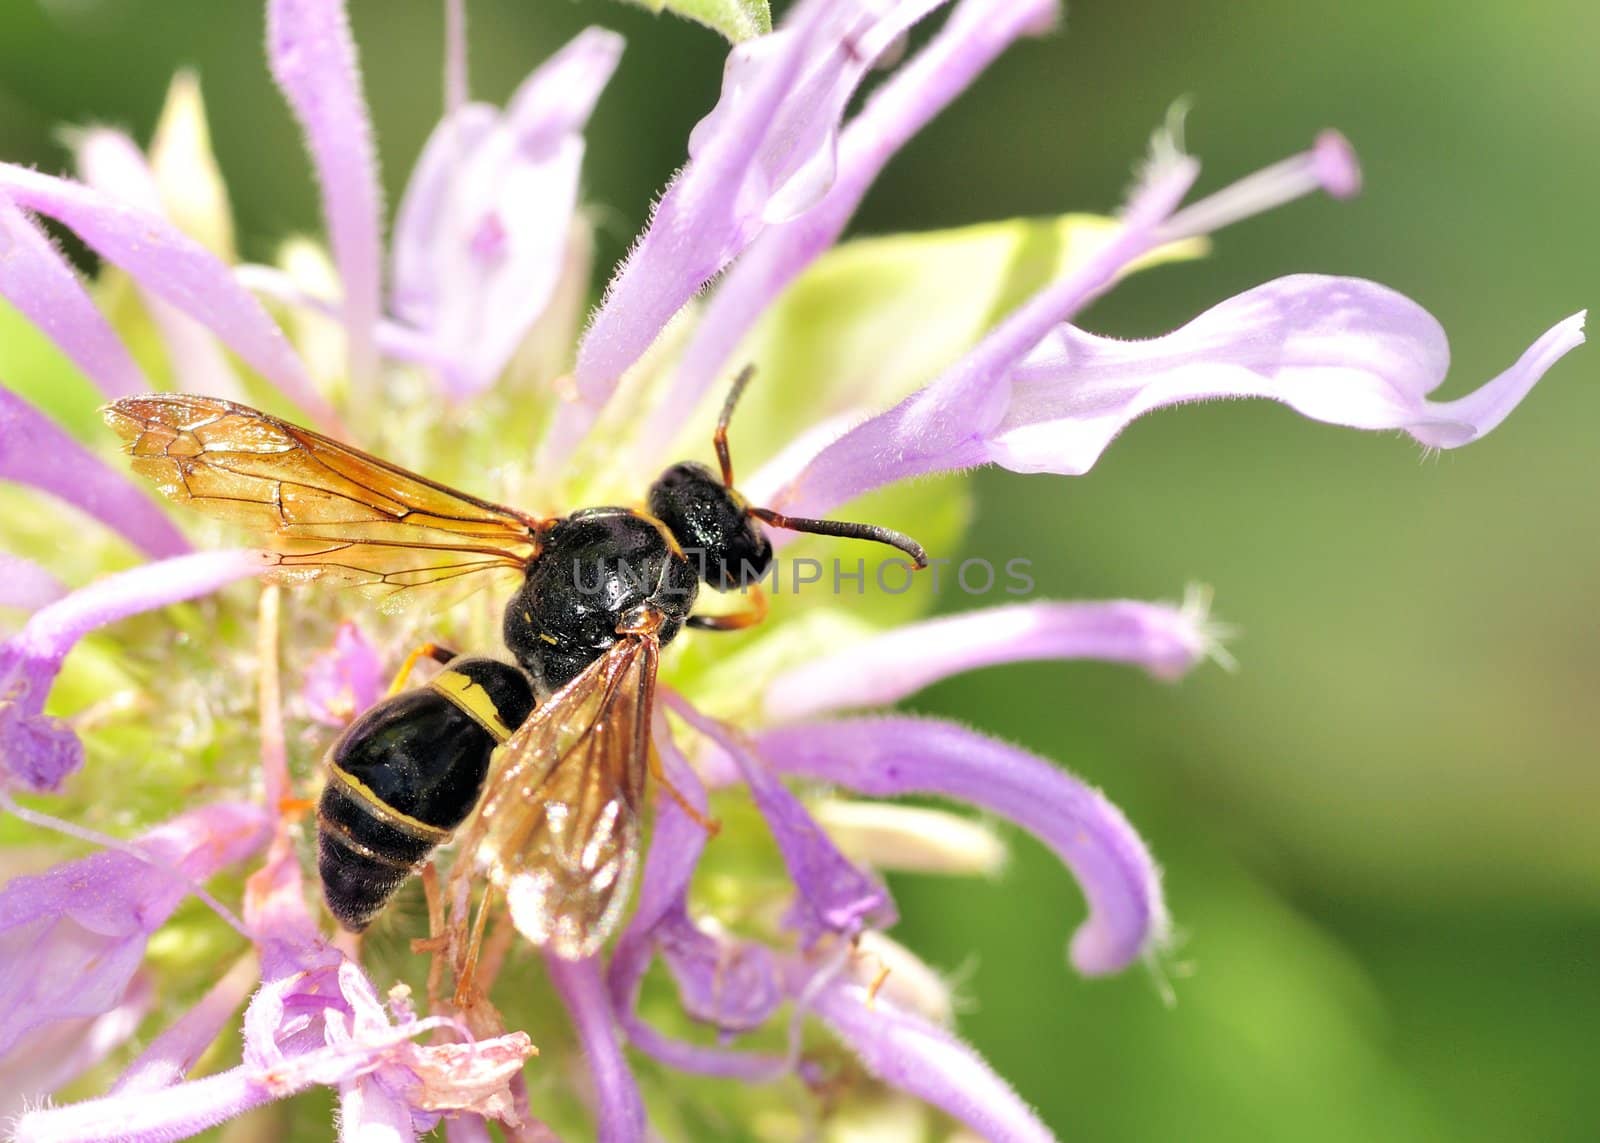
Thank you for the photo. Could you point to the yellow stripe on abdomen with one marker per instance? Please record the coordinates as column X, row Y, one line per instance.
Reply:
column 472, row 700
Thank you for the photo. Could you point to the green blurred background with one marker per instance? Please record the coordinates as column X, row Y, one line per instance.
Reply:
column 1381, row 836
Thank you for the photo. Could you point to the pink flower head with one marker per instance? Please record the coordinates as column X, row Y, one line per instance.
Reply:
column 481, row 250
column 345, row 679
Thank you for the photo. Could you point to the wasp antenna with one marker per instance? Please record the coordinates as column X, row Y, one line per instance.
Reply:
column 847, row 530
column 719, row 439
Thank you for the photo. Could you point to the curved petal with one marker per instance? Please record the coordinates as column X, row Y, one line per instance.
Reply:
column 940, row 427
column 976, row 33
column 481, row 233
column 40, row 751
column 765, row 154
column 313, row 58
column 152, row 1116
column 172, row 1054
column 1341, row 350
column 894, row 756
column 661, row 914
column 919, row 1057
column 110, row 162
column 37, row 452
column 42, row 284
column 1166, row 641
column 188, row 179
column 945, row 426
column 621, row 1110
column 174, row 267
column 834, row 895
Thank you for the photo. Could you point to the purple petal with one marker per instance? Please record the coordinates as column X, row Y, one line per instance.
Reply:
column 419, row 222
column 888, row 757
column 110, row 162
column 1166, row 641
column 188, row 1108
column 344, row 680
column 36, row 452
column 54, row 1056
column 369, row 1114
column 730, row 984
column 43, row 286
column 765, row 154
column 976, row 33
column 73, row 936
column 173, row 1053
column 922, row 1058
column 24, row 584
column 834, row 895
column 481, row 234
column 150, row 1117
column 940, row 427
column 676, row 843
column 315, row 1020
column 1341, row 350
column 38, row 750
column 621, row 1110
column 313, row 58
column 174, row 267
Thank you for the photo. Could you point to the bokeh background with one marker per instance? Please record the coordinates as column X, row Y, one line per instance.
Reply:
column 1382, row 835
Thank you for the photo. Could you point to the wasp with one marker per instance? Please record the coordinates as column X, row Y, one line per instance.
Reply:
column 552, row 751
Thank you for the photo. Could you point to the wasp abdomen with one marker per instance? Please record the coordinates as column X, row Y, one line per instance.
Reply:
column 404, row 775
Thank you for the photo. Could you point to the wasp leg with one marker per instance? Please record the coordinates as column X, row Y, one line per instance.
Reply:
column 738, row 620
column 437, row 942
column 711, row 825
column 434, row 651
column 468, row 995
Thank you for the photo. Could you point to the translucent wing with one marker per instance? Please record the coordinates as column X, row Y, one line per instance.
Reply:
column 329, row 511
column 558, row 827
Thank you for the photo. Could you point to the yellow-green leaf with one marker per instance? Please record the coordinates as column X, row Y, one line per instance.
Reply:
column 736, row 19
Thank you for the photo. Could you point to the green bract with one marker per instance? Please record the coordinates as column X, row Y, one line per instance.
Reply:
column 735, row 19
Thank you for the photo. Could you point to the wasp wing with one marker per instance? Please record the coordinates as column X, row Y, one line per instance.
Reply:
column 329, row 511
column 557, row 829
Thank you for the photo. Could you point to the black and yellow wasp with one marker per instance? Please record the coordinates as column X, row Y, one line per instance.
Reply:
column 603, row 589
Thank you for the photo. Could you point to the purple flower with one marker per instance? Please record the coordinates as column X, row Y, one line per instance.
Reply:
column 489, row 242
column 81, row 928
column 343, row 680
column 40, row 751
column 482, row 233
column 165, row 262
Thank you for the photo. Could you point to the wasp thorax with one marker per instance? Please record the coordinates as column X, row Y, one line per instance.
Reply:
column 596, row 568
column 713, row 524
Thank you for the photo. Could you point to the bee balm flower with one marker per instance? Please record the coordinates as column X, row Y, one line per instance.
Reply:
column 772, row 930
